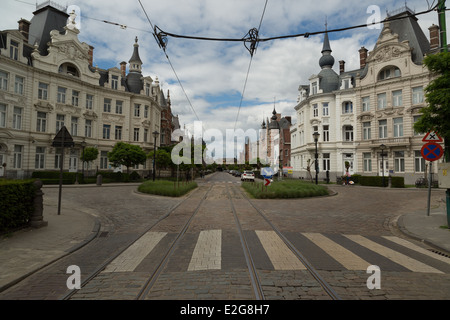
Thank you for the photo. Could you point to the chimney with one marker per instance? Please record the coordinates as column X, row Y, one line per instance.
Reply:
column 434, row 37
column 362, row 57
column 123, row 68
column 24, row 28
column 91, row 55
column 341, row 66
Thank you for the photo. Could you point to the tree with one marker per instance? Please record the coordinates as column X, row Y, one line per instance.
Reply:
column 163, row 159
column 89, row 154
column 435, row 117
column 126, row 154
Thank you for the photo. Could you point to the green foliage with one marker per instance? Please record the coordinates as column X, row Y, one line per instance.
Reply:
column 16, row 203
column 285, row 189
column 374, row 181
column 397, row 182
column 435, row 117
column 127, row 155
column 52, row 177
column 90, row 154
column 166, row 188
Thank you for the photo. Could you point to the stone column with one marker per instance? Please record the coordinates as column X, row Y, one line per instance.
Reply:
column 37, row 218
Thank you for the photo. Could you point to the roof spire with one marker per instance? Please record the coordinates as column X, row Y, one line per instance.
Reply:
column 327, row 60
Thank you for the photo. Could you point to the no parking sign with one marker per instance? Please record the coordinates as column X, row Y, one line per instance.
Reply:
column 432, row 151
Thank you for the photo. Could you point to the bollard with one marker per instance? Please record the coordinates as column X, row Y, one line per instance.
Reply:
column 37, row 218
column 99, row 180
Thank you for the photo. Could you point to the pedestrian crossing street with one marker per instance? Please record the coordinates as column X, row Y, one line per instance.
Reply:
column 221, row 250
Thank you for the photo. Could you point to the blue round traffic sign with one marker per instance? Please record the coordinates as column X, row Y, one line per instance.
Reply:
column 432, row 151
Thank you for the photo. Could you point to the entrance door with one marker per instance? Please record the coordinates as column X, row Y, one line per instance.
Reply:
column 383, row 165
column 73, row 163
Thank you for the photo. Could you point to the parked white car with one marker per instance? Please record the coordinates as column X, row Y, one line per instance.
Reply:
column 248, row 175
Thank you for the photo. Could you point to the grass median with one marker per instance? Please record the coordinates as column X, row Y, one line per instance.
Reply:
column 167, row 188
column 285, row 189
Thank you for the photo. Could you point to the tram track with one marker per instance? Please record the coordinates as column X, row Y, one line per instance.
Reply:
column 185, row 222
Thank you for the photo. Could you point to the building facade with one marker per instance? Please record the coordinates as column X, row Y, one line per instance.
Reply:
column 48, row 81
column 366, row 120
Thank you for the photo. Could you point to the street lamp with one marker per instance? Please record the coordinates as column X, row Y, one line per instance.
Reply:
column 316, row 139
column 83, row 145
column 155, row 134
column 382, row 147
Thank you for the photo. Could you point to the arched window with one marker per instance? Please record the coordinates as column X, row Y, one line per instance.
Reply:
column 389, row 72
column 69, row 68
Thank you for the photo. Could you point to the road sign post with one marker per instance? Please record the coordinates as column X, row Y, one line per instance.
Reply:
column 431, row 151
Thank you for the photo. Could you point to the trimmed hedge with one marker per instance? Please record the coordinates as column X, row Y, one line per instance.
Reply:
column 16, row 203
column 52, row 177
column 377, row 181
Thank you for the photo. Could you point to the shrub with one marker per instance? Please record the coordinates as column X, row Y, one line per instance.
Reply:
column 285, row 189
column 52, row 177
column 397, row 182
column 166, row 188
column 16, row 203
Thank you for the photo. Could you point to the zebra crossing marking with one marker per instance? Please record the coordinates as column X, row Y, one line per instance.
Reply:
column 207, row 254
column 132, row 257
column 407, row 262
column 342, row 255
column 280, row 255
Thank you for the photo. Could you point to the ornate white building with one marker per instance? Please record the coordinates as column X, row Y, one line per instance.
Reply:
column 47, row 80
column 362, row 112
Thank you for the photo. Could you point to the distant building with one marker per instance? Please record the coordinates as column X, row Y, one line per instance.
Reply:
column 358, row 112
column 47, row 80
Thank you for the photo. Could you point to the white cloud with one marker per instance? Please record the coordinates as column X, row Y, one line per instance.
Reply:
column 213, row 73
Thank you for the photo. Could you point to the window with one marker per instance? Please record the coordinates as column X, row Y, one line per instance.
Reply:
column 315, row 110
column 75, row 98
column 119, row 107
column 114, row 82
column 74, row 126
column 88, row 128
column 103, row 160
column 398, row 127
column 382, row 129
column 347, row 107
column 415, row 119
column 61, row 97
column 107, row 105
column 314, row 88
column 17, row 161
column 417, row 95
column 43, row 91
column 325, row 110
column 399, row 161
column 39, row 159
column 89, row 101
column 58, row 158
column 381, row 101
column 3, row 80
column 348, row 133
column 14, row 50
column 59, row 122
column 326, row 133
column 136, row 134
column 397, row 98
column 41, row 123
column 326, row 162
column 118, row 133
column 146, row 135
column 366, row 104
column 146, row 109
column 137, row 110
column 367, row 159
column 18, row 85
column 2, row 115
column 106, row 131
column 17, row 118
column 389, row 72
column 147, row 89
column 419, row 162
column 367, row 135
column 346, row 83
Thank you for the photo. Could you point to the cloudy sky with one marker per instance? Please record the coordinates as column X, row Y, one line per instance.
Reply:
column 213, row 73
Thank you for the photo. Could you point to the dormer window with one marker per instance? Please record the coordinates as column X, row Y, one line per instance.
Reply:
column 14, row 50
column 114, row 82
column 70, row 69
column 389, row 72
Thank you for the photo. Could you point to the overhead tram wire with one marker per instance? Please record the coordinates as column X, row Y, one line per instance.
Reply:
column 161, row 43
column 252, row 50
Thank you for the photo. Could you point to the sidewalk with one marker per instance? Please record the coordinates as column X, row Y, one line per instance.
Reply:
column 29, row 250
